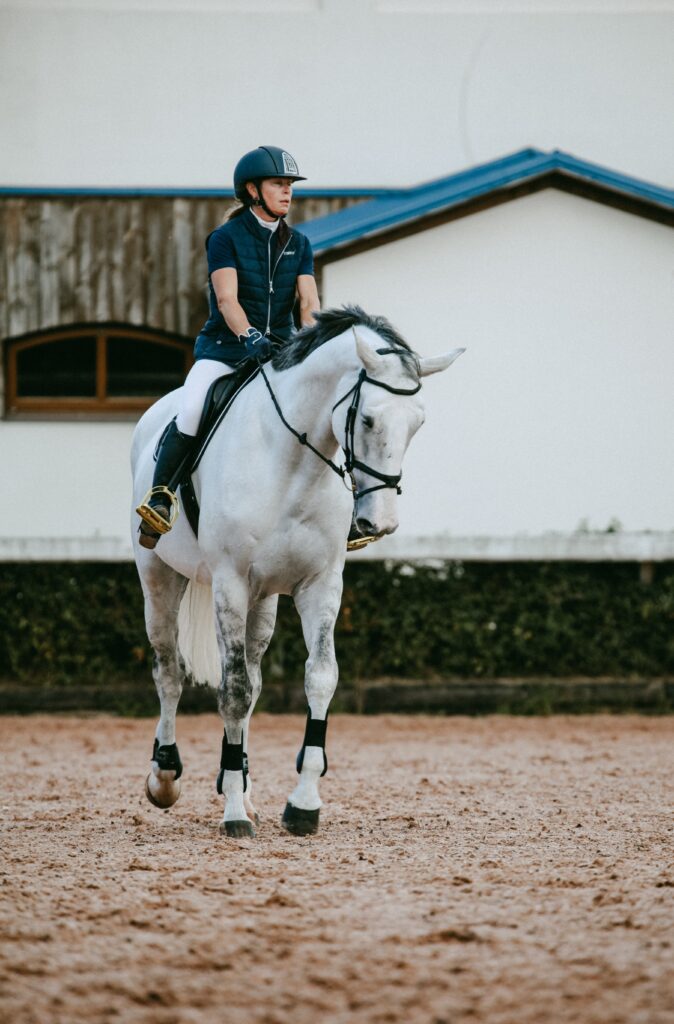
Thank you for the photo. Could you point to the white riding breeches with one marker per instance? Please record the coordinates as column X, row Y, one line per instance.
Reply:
column 193, row 394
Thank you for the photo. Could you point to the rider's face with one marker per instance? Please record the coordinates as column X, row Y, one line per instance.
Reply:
column 277, row 194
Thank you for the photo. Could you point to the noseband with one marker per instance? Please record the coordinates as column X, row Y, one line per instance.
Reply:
column 351, row 462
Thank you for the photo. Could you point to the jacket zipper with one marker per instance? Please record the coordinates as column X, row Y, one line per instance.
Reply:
column 271, row 276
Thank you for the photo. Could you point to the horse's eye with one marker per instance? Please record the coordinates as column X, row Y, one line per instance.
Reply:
column 368, row 422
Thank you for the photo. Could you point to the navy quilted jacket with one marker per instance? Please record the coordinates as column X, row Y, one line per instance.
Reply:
column 267, row 278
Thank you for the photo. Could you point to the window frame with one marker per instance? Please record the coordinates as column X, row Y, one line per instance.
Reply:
column 101, row 403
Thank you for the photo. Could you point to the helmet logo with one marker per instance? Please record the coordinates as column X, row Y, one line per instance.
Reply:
column 289, row 164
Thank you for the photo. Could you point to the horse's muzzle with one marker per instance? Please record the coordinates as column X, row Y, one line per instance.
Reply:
column 370, row 529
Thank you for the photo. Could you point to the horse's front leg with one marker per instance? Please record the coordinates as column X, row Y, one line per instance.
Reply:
column 163, row 589
column 318, row 606
column 259, row 631
column 235, row 699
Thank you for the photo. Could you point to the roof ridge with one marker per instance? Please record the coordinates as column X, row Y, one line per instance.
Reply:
column 378, row 215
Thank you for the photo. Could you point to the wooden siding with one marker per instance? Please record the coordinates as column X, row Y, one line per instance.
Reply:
column 136, row 260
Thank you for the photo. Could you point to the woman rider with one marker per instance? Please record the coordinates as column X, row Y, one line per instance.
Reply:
column 257, row 267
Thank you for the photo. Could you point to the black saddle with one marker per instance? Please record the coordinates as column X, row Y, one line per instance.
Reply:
column 220, row 397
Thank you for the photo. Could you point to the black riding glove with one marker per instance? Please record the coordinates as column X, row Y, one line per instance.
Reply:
column 256, row 345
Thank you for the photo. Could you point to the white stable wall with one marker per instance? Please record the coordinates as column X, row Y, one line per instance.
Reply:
column 67, row 490
column 559, row 418
column 362, row 92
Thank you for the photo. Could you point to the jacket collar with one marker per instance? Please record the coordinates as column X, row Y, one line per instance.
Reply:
column 256, row 229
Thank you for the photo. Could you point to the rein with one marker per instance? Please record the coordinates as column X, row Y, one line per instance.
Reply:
column 302, row 438
column 351, row 462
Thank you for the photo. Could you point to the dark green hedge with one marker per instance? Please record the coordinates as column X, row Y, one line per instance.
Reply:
column 74, row 623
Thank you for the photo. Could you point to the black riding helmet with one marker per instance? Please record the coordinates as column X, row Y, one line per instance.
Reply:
column 263, row 162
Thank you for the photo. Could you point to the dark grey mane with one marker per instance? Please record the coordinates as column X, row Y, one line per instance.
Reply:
column 332, row 322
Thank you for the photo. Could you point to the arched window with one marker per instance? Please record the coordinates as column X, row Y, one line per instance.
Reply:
column 96, row 368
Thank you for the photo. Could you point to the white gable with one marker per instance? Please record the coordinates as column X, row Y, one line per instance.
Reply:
column 559, row 417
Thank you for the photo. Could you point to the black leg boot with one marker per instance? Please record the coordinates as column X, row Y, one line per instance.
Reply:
column 159, row 508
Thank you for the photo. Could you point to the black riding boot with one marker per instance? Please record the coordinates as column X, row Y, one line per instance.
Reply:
column 156, row 509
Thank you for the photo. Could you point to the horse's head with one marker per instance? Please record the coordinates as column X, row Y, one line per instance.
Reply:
column 377, row 421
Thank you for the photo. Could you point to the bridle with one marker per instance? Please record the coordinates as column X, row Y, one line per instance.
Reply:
column 351, row 462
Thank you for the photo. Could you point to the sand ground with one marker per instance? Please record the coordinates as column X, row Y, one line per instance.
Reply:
column 493, row 869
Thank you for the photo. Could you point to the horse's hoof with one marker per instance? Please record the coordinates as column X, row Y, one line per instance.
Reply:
column 251, row 813
column 237, row 829
column 300, row 822
column 161, row 793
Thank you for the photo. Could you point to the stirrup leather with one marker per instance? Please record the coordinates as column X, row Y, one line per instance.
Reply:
column 360, row 542
column 149, row 515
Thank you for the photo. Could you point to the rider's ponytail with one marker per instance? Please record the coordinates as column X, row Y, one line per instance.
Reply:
column 234, row 211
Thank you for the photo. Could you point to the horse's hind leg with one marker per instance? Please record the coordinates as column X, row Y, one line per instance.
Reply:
column 259, row 631
column 318, row 606
column 163, row 589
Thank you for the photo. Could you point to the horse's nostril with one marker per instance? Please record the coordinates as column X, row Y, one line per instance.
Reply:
column 365, row 526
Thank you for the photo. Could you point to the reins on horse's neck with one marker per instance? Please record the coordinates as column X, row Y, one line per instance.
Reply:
column 302, row 438
column 351, row 463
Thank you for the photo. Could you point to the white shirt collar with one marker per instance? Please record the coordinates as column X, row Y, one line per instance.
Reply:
column 269, row 225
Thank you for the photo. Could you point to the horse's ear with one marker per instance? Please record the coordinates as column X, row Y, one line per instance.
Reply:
column 367, row 357
column 437, row 363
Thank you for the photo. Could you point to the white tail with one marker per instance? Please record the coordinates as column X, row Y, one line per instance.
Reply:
column 196, row 634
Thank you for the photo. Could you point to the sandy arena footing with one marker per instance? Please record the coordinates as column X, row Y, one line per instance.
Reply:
column 493, row 869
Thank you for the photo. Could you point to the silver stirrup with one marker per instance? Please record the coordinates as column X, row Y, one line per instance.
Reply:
column 150, row 516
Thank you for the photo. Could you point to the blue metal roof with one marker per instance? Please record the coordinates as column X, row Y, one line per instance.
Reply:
column 405, row 206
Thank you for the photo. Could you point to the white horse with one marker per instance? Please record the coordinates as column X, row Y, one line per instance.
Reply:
column 274, row 520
